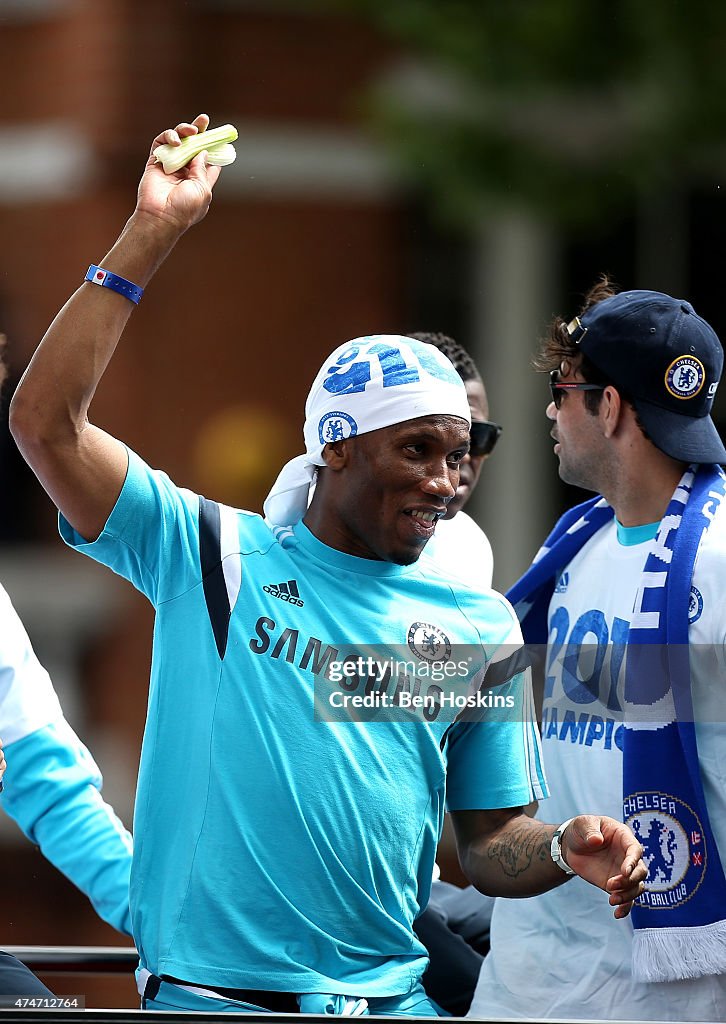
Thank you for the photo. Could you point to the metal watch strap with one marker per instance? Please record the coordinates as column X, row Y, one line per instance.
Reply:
column 556, row 848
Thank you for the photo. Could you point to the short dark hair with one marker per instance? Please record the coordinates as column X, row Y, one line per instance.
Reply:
column 453, row 350
column 557, row 345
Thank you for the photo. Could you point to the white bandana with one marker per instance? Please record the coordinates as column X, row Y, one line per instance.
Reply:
column 365, row 384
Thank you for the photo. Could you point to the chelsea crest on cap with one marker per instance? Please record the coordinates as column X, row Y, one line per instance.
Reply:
column 665, row 359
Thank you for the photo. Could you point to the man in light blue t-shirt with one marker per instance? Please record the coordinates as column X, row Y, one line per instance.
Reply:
column 281, row 861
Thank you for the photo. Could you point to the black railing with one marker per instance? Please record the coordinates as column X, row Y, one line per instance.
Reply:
column 76, row 959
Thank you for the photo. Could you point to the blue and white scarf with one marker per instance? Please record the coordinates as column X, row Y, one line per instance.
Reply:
column 680, row 921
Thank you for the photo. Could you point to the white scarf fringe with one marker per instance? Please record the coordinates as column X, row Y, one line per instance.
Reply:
column 673, row 954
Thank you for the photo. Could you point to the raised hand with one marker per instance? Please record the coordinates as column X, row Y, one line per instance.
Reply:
column 605, row 852
column 183, row 197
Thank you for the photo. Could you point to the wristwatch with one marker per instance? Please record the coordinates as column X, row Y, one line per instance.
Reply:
column 556, row 848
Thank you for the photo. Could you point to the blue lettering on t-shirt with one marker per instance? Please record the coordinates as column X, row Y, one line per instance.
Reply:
column 587, row 657
column 581, row 668
column 585, row 729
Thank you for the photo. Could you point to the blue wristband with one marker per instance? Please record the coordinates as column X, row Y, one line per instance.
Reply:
column 104, row 278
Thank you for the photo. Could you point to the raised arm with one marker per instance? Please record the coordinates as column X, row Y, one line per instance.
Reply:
column 507, row 853
column 81, row 466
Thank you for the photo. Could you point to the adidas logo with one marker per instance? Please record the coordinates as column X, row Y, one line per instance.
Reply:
column 285, row 592
column 563, row 583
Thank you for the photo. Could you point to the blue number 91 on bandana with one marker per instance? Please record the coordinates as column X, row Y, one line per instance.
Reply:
column 350, row 375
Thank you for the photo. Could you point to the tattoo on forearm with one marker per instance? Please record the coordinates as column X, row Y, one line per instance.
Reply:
column 520, row 847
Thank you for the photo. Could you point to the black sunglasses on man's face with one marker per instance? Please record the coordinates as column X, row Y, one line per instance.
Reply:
column 560, row 388
column 483, row 435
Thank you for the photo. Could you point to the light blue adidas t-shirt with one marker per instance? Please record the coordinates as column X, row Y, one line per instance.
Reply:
column 274, row 850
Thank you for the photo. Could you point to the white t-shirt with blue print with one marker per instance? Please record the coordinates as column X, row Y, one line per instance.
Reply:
column 575, row 956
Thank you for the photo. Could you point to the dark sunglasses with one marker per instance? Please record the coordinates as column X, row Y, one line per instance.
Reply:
column 559, row 388
column 483, row 436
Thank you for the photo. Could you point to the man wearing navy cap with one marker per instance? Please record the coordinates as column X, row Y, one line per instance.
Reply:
column 627, row 594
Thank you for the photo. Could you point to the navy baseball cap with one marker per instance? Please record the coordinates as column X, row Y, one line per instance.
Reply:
column 666, row 359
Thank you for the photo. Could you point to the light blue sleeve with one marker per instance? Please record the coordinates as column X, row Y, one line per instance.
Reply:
column 151, row 537
column 53, row 791
column 496, row 763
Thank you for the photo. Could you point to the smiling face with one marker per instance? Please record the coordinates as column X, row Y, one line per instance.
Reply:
column 385, row 490
column 471, row 465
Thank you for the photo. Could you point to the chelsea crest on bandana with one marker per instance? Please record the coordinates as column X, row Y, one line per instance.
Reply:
column 675, row 847
column 336, row 426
